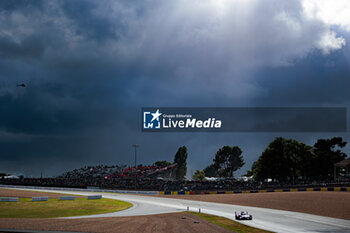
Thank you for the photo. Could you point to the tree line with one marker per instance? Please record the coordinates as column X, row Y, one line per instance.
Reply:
column 227, row 160
column 288, row 159
column 283, row 160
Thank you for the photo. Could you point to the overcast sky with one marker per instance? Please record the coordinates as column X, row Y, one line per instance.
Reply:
column 90, row 66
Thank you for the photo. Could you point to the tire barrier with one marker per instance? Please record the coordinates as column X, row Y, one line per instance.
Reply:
column 67, row 198
column 335, row 189
column 9, row 199
column 92, row 197
column 40, row 198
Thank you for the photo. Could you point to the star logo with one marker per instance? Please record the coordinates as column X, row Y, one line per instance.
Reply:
column 151, row 120
column 156, row 115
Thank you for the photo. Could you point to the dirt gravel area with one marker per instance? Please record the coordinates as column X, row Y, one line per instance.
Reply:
column 29, row 194
column 330, row 204
column 145, row 224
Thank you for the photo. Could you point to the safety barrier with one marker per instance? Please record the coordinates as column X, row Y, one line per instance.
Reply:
column 81, row 190
column 40, row 198
column 335, row 189
column 9, row 199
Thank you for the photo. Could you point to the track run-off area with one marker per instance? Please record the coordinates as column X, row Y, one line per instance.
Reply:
column 263, row 218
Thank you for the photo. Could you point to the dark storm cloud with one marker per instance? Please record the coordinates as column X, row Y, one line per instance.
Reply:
column 315, row 80
column 90, row 66
column 20, row 4
column 89, row 24
column 58, row 108
column 30, row 47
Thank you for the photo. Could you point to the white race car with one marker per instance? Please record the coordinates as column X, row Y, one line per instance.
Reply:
column 243, row 215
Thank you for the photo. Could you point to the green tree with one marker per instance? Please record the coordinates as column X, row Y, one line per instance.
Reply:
column 162, row 163
column 198, row 175
column 180, row 160
column 210, row 171
column 249, row 173
column 326, row 153
column 228, row 160
column 283, row 159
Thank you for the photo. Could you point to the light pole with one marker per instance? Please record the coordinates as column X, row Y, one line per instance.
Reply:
column 135, row 146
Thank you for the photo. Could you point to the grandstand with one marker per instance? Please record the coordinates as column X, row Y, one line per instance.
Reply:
column 86, row 172
column 120, row 172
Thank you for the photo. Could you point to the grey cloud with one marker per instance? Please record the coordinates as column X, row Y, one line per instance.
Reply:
column 90, row 66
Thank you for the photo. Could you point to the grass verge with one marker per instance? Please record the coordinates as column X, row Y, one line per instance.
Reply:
column 229, row 224
column 25, row 208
